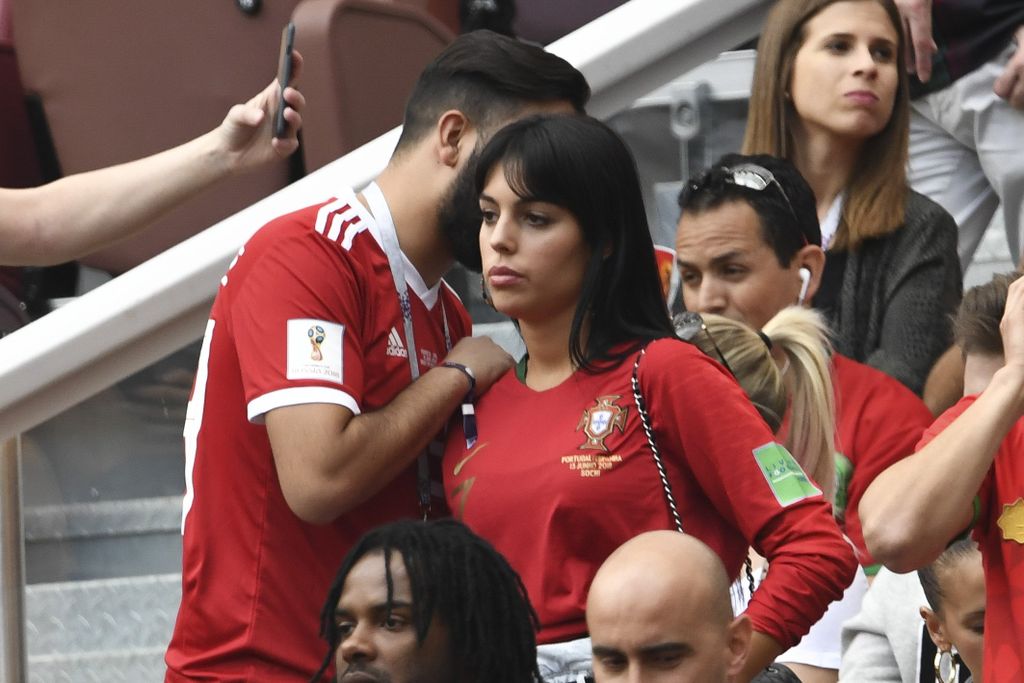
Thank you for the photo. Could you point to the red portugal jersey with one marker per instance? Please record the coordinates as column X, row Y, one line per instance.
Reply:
column 560, row 478
column 307, row 313
column 878, row 421
column 1000, row 534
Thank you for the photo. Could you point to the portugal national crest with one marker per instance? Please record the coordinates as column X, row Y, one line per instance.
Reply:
column 600, row 420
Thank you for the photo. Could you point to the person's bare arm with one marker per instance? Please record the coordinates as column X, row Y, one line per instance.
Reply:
column 912, row 510
column 81, row 213
column 763, row 651
column 329, row 461
column 917, row 22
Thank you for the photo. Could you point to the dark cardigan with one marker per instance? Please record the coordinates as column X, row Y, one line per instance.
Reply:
column 898, row 292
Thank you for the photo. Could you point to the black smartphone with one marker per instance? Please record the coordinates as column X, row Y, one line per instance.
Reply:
column 284, row 77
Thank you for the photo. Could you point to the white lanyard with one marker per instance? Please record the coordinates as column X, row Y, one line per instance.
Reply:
column 389, row 242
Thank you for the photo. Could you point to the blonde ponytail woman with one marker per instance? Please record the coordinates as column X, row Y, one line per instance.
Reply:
column 785, row 371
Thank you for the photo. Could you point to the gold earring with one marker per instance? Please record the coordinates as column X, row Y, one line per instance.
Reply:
column 953, row 667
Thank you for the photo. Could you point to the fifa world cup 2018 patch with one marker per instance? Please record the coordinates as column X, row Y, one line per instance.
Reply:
column 1011, row 521
column 315, row 350
column 785, row 477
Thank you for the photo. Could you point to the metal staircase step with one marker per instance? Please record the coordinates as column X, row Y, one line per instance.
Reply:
column 103, row 539
column 101, row 616
column 142, row 665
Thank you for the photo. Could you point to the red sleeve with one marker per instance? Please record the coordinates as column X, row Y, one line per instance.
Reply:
column 943, row 421
column 710, row 421
column 296, row 316
column 879, row 421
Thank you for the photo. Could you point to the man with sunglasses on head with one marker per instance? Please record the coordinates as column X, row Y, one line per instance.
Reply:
column 748, row 244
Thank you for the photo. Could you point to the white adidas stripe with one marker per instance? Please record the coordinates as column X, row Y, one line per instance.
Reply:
column 354, row 228
column 325, row 212
column 337, row 220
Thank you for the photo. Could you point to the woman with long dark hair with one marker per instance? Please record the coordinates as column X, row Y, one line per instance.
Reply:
column 557, row 465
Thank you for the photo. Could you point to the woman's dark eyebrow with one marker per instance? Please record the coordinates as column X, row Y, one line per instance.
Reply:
column 839, row 34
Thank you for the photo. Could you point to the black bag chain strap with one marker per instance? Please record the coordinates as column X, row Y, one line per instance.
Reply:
column 645, row 421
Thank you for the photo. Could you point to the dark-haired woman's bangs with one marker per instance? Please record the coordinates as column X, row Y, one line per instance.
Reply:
column 536, row 171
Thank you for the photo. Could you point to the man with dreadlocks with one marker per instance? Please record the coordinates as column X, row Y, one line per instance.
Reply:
column 428, row 602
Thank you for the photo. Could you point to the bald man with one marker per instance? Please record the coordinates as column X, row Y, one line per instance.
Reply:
column 659, row 610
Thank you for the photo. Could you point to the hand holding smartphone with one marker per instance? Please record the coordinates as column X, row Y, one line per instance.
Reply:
column 284, row 77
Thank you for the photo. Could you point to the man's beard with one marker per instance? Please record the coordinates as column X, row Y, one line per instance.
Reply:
column 459, row 216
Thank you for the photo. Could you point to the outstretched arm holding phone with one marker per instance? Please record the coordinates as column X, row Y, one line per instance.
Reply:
column 79, row 214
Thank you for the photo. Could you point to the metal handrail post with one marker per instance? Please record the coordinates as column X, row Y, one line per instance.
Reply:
column 12, row 565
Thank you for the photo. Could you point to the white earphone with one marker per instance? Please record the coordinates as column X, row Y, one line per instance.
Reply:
column 805, row 281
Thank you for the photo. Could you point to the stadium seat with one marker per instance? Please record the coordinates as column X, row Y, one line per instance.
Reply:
column 363, row 57
column 121, row 79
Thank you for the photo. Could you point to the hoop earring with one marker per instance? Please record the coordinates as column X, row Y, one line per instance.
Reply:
column 954, row 667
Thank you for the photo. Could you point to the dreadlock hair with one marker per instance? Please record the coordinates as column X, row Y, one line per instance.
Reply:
column 933, row 575
column 461, row 580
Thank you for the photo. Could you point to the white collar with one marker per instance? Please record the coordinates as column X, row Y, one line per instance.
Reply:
column 830, row 223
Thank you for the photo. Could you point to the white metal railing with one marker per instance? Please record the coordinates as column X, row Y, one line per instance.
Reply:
column 161, row 305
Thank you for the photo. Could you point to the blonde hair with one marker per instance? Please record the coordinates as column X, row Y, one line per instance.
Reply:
column 803, row 383
column 877, row 191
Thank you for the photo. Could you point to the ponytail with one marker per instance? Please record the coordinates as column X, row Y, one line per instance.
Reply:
column 802, row 385
column 802, row 336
